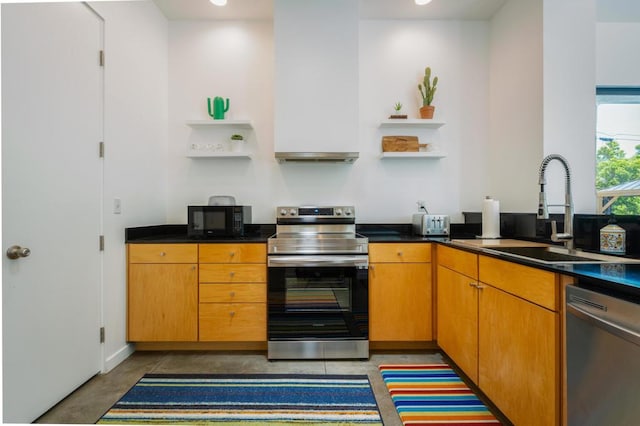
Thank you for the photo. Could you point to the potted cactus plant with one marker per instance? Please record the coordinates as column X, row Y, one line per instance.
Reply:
column 427, row 89
column 397, row 108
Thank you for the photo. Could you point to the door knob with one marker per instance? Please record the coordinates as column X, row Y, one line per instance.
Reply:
column 16, row 252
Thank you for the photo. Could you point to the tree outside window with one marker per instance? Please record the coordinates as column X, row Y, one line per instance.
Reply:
column 618, row 144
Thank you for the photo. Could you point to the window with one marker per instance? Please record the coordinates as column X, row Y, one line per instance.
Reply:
column 618, row 150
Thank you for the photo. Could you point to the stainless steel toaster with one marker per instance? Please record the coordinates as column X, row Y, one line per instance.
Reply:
column 430, row 224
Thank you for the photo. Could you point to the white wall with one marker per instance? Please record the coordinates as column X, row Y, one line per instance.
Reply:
column 393, row 55
column 616, row 46
column 232, row 59
column 516, row 105
column 136, row 96
column 569, row 98
column 392, row 58
column 542, row 101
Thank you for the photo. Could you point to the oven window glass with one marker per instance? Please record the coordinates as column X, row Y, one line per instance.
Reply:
column 317, row 290
column 215, row 220
column 317, row 303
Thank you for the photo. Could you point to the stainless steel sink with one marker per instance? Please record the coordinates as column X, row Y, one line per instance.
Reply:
column 555, row 255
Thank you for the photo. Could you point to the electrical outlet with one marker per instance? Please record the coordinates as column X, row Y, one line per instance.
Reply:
column 117, row 206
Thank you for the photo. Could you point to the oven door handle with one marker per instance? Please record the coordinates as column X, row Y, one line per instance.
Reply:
column 360, row 262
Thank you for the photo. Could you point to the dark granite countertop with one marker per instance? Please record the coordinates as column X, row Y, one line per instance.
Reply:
column 175, row 234
column 261, row 233
column 618, row 279
column 615, row 278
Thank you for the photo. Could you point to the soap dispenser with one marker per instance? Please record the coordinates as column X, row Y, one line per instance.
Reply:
column 613, row 238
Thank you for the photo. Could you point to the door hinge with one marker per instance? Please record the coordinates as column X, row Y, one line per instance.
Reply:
column 101, row 242
column 101, row 334
column 102, row 58
column 101, row 149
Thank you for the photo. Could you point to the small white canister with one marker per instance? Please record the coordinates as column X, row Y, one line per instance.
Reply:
column 613, row 238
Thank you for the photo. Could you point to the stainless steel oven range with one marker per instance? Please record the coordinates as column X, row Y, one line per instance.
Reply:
column 317, row 285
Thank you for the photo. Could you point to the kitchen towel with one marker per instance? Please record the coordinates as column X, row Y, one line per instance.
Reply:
column 490, row 218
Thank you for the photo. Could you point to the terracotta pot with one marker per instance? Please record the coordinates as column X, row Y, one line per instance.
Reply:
column 427, row 111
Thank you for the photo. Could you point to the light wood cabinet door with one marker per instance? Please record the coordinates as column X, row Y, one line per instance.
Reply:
column 163, row 253
column 400, row 302
column 519, row 360
column 233, row 293
column 457, row 319
column 532, row 284
column 461, row 261
column 233, row 322
column 400, row 253
column 233, row 253
column 162, row 302
column 233, row 273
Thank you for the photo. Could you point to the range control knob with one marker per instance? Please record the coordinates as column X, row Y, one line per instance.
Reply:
column 348, row 212
column 292, row 212
column 338, row 212
column 283, row 212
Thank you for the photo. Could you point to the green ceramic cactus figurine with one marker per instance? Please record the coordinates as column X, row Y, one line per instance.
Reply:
column 219, row 107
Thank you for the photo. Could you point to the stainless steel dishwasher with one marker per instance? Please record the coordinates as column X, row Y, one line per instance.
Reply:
column 603, row 359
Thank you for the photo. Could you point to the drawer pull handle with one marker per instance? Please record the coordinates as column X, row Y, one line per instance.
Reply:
column 232, row 273
column 163, row 253
column 473, row 285
column 480, row 286
column 232, row 294
column 232, row 254
column 399, row 253
column 232, row 313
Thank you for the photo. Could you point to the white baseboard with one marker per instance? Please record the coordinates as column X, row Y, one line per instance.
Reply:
column 114, row 360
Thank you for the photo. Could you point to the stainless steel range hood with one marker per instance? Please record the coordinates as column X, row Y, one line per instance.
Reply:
column 316, row 157
column 316, row 105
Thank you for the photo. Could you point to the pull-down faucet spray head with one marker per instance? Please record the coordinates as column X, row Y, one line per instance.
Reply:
column 543, row 211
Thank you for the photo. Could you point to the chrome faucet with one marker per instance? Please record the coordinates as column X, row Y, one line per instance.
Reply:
column 543, row 213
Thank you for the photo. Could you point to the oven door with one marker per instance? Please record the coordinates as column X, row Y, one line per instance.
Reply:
column 318, row 297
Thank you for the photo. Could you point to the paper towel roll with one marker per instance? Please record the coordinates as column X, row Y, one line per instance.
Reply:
column 490, row 218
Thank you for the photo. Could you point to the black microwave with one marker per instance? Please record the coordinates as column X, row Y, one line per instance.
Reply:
column 217, row 221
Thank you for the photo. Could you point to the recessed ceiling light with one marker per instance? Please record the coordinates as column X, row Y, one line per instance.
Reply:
column 422, row 2
column 224, row 2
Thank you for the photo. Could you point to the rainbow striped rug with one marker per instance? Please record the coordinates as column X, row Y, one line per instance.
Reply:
column 433, row 394
column 232, row 399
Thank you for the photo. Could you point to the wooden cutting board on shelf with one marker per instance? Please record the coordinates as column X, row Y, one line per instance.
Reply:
column 401, row 144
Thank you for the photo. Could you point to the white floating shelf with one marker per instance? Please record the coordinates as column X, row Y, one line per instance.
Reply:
column 245, row 124
column 196, row 154
column 427, row 154
column 412, row 122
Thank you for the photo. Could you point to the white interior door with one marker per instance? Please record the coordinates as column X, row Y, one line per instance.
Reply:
column 52, row 97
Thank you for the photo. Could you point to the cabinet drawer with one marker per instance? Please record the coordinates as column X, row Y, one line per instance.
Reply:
column 532, row 284
column 457, row 260
column 233, row 253
column 242, row 322
column 400, row 253
column 233, row 293
column 163, row 253
column 232, row 273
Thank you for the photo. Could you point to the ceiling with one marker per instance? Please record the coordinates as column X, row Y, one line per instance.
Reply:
column 369, row 9
column 607, row 10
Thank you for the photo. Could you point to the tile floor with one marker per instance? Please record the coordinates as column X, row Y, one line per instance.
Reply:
column 89, row 402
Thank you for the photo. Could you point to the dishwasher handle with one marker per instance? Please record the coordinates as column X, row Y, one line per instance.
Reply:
column 613, row 328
